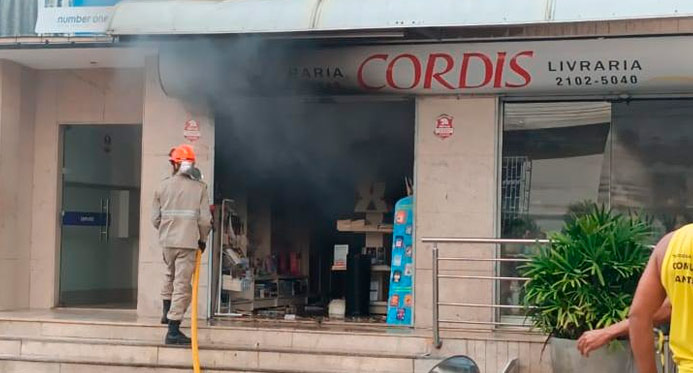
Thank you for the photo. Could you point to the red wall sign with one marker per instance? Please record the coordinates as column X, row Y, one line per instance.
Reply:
column 595, row 65
column 444, row 127
column 477, row 70
column 191, row 131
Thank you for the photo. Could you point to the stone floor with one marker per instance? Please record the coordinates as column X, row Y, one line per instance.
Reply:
column 56, row 335
column 63, row 339
column 77, row 314
column 130, row 317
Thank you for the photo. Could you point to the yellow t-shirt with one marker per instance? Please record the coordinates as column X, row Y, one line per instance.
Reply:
column 677, row 279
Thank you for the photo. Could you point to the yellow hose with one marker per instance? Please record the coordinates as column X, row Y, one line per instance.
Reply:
column 193, row 327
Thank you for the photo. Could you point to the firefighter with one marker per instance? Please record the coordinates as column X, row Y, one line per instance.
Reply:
column 180, row 213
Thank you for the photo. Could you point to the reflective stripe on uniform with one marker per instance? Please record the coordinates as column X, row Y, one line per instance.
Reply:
column 192, row 214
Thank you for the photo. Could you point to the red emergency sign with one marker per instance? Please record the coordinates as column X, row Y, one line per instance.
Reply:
column 191, row 131
column 444, row 127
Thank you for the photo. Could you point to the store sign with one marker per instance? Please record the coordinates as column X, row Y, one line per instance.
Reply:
column 561, row 66
column 88, row 219
column 191, row 130
column 444, row 127
column 74, row 16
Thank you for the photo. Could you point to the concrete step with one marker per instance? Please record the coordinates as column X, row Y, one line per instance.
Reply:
column 77, row 352
column 24, row 365
column 380, row 341
column 52, row 366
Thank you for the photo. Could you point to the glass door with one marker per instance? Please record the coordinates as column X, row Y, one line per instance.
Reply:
column 100, row 216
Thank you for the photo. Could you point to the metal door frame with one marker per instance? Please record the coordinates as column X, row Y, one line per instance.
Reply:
column 60, row 182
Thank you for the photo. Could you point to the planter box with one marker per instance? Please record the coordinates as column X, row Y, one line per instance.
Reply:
column 565, row 358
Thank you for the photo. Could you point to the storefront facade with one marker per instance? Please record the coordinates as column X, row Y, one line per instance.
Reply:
column 484, row 90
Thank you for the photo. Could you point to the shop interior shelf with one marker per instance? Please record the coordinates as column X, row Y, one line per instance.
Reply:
column 368, row 230
column 242, row 301
column 265, row 302
column 291, row 277
column 299, row 296
column 264, row 278
column 282, row 277
column 379, row 308
column 380, row 268
column 375, row 268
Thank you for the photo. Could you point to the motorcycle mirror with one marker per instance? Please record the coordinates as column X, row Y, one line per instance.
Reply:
column 456, row 364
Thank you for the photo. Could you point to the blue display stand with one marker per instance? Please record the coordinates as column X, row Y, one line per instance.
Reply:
column 400, row 303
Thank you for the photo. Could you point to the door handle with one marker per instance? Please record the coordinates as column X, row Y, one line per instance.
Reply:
column 101, row 232
column 108, row 218
column 103, row 229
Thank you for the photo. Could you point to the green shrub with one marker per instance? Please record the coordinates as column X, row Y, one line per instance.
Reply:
column 578, row 209
column 586, row 277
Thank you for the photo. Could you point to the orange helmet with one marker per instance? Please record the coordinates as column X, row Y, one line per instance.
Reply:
column 182, row 153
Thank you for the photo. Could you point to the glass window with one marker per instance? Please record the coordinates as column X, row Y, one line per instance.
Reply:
column 555, row 156
column 631, row 156
column 652, row 167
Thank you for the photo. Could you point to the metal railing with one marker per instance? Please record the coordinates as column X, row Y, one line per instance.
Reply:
column 436, row 259
column 667, row 361
column 665, row 357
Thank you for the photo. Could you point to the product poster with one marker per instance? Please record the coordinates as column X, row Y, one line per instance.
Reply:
column 400, row 305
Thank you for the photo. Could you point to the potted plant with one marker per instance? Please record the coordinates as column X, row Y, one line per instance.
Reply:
column 585, row 279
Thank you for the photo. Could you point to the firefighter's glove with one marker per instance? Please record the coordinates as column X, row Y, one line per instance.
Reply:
column 202, row 245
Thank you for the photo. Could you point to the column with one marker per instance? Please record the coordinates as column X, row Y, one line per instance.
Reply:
column 455, row 183
column 16, row 166
column 162, row 128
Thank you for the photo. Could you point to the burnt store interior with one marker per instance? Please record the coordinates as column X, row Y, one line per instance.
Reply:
column 294, row 177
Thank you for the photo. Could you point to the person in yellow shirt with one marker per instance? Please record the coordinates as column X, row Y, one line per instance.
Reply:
column 669, row 273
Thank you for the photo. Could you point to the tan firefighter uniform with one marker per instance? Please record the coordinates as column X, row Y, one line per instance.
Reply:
column 180, row 213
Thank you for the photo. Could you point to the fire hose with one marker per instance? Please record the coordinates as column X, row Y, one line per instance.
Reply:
column 193, row 327
column 196, row 282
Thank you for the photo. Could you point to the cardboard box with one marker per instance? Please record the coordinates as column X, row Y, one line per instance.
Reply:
column 232, row 284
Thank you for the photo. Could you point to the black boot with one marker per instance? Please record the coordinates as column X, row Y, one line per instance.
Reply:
column 174, row 335
column 167, row 307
